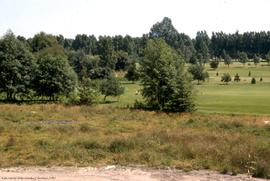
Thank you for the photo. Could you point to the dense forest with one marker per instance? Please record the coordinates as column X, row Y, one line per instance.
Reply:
column 49, row 67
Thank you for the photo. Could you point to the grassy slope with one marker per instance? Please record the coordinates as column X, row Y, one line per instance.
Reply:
column 105, row 135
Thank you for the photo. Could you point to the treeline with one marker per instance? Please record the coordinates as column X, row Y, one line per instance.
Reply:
column 51, row 67
column 118, row 52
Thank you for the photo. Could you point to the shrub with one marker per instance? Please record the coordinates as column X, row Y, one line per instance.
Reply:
column 111, row 87
column 226, row 78
column 89, row 144
column 253, row 80
column 42, row 143
column 214, row 64
column 84, row 128
column 198, row 72
column 236, row 78
column 132, row 73
column 10, row 142
column 118, row 146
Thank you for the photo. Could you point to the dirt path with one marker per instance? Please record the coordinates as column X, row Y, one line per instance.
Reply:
column 112, row 173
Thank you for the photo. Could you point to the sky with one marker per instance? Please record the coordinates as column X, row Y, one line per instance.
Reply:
column 132, row 17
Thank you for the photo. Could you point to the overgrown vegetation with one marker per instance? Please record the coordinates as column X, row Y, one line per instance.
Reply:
column 38, row 135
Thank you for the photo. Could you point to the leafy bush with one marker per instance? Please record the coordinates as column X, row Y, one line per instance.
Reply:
column 86, row 93
column 236, row 78
column 132, row 73
column 214, row 64
column 111, row 87
column 253, row 80
column 226, row 78
column 198, row 72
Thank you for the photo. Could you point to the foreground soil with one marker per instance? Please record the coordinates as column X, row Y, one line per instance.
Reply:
column 113, row 173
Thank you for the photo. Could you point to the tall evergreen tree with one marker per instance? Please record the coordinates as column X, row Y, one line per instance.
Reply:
column 202, row 46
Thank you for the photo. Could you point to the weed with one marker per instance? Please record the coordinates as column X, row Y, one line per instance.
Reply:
column 89, row 144
column 118, row 146
column 10, row 142
column 2, row 129
column 84, row 128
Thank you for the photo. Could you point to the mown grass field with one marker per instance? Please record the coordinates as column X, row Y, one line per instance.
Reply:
column 215, row 97
column 60, row 135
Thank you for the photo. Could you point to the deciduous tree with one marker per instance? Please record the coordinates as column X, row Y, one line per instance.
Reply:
column 54, row 77
column 166, row 85
column 17, row 66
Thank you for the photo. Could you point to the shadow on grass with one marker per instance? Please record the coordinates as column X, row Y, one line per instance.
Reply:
column 107, row 102
column 223, row 84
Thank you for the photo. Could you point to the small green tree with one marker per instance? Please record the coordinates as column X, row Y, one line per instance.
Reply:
column 133, row 73
column 122, row 60
column 256, row 60
column 249, row 73
column 198, row 72
column 243, row 58
column 226, row 78
column 111, row 87
column 227, row 60
column 268, row 58
column 253, row 80
column 87, row 91
column 42, row 40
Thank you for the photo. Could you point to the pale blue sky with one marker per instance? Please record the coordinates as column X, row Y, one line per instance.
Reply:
column 133, row 17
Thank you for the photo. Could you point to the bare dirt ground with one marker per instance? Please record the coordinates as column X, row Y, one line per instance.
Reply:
column 112, row 173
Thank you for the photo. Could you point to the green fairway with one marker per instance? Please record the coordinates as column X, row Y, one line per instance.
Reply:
column 213, row 96
column 234, row 98
column 237, row 97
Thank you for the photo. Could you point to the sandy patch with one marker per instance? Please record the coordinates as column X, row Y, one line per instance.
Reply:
column 112, row 173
